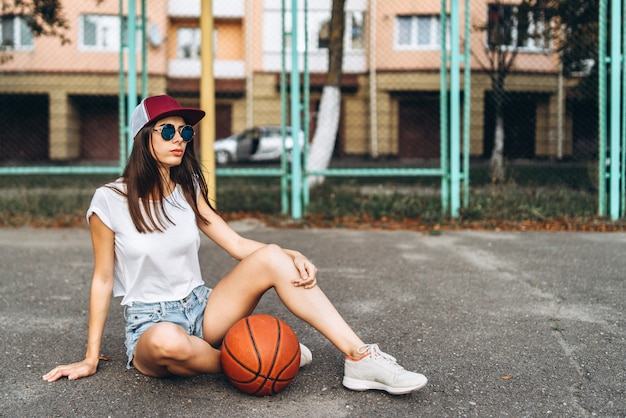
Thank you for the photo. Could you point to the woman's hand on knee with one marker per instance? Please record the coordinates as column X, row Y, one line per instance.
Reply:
column 72, row 371
column 307, row 272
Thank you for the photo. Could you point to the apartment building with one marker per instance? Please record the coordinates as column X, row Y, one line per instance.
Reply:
column 408, row 57
column 60, row 102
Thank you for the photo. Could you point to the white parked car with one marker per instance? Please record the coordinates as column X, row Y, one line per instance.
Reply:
column 261, row 143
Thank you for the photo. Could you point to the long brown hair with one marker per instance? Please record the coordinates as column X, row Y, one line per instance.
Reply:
column 145, row 188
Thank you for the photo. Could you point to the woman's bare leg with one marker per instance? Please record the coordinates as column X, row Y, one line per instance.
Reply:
column 166, row 349
column 237, row 294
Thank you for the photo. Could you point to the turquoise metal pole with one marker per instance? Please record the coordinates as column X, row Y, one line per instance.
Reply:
column 376, row 172
column 305, row 109
column 616, row 62
column 467, row 94
column 602, row 131
column 26, row 170
column 443, row 110
column 144, row 50
column 455, row 108
column 132, row 65
column 296, row 160
column 284, row 182
column 123, row 132
column 623, row 135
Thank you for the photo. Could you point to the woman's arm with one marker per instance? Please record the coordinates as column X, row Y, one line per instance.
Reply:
column 101, row 289
column 223, row 235
column 240, row 247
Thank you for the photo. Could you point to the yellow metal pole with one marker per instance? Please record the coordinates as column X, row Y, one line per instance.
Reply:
column 207, row 98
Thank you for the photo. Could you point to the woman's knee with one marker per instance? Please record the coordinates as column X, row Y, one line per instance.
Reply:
column 164, row 341
column 273, row 256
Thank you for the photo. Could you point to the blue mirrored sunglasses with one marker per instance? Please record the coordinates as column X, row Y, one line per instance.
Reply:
column 168, row 131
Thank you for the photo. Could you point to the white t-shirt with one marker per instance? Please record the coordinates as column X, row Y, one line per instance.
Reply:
column 156, row 266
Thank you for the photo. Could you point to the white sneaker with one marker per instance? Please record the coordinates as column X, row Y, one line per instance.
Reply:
column 306, row 357
column 378, row 370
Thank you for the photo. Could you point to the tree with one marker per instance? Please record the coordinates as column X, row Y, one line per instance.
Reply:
column 509, row 28
column 330, row 103
column 578, row 46
column 43, row 17
column 579, row 22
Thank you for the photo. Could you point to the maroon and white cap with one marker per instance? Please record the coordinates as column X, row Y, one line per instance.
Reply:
column 158, row 107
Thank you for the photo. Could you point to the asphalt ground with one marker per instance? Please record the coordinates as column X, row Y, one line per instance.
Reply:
column 504, row 324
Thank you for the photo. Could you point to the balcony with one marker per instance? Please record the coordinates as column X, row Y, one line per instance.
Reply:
column 354, row 61
column 192, row 68
column 191, row 8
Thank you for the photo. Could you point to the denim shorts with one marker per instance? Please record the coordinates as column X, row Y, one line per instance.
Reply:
column 187, row 312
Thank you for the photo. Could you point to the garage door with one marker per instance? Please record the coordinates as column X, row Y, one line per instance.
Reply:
column 419, row 127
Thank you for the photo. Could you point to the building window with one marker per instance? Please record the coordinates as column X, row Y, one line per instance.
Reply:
column 418, row 32
column 100, row 33
column 323, row 35
column 356, row 28
column 512, row 27
column 317, row 32
column 188, row 43
column 16, row 33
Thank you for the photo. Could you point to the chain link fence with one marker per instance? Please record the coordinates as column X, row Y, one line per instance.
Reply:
column 532, row 102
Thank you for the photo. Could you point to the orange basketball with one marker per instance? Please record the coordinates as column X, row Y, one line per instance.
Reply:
column 260, row 355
